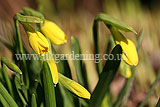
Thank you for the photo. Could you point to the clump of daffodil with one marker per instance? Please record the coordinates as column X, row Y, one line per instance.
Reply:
column 74, row 87
column 53, row 32
column 36, row 39
column 129, row 55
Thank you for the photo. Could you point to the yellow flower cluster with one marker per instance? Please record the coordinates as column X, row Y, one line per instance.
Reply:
column 38, row 42
column 40, row 45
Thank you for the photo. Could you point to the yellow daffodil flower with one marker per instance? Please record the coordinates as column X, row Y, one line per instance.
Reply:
column 54, row 71
column 129, row 55
column 74, row 87
column 36, row 39
column 53, row 32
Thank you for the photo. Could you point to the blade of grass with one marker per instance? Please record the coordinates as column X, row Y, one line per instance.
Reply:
column 81, row 74
column 106, row 78
column 49, row 92
column 142, row 104
column 4, row 93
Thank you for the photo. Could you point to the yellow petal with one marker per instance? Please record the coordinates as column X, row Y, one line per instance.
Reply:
column 36, row 39
column 74, row 87
column 41, row 36
column 33, row 43
column 54, row 71
column 54, row 33
column 129, row 55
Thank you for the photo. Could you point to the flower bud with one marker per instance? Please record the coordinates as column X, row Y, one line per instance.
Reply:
column 54, row 33
column 36, row 39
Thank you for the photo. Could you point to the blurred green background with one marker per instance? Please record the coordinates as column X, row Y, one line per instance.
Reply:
column 76, row 17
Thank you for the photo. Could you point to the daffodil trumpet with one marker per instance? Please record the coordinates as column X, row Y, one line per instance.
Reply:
column 129, row 55
column 36, row 39
column 53, row 33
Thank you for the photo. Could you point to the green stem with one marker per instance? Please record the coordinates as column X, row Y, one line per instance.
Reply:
column 125, row 89
column 151, row 90
column 95, row 37
column 21, row 52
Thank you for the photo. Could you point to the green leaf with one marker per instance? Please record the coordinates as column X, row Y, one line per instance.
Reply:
column 33, row 101
column 4, row 93
column 7, row 80
column 48, row 85
column 114, row 22
column 110, row 45
column 76, row 51
column 62, row 95
column 27, row 19
column 11, row 65
column 1, row 76
column 63, row 66
column 67, row 97
column 158, row 103
column 106, row 77
column 19, row 89
column 3, row 101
